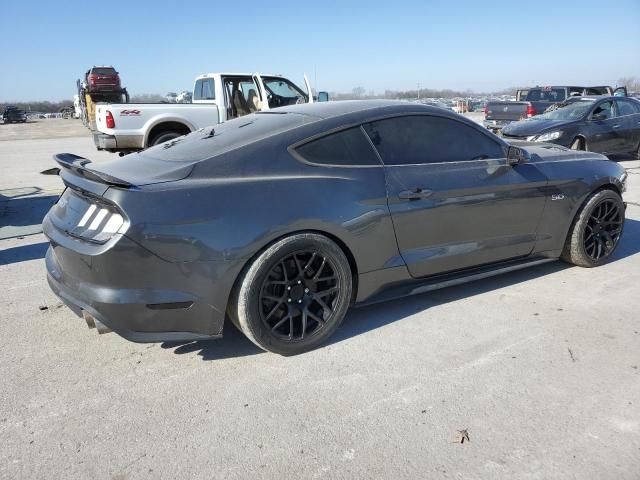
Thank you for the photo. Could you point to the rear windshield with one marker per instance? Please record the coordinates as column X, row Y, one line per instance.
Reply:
column 104, row 71
column 546, row 95
column 215, row 140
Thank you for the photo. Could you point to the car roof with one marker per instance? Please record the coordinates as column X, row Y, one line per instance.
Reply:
column 326, row 110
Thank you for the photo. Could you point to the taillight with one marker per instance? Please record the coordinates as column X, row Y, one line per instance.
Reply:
column 92, row 79
column 531, row 111
column 111, row 123
column 486, row 110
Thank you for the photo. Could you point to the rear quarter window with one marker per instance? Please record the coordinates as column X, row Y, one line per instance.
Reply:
column 346, row 148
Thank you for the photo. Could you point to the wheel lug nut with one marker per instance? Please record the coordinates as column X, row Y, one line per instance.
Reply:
column 306, row 290
column 299, row 282
column 289, row 300
column 288, row 288
column 299, row 301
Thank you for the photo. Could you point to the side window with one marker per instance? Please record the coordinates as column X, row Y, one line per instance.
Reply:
column 627, row 107
column 204, row 89
column 425, row 139
column 347, row 147
column 604, row 111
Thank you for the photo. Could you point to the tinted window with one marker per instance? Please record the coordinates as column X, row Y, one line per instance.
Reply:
column 348, row 147
column 604, row 110
column 204, row 89
column 546, row 95
column 627, row 107
column 424, row 139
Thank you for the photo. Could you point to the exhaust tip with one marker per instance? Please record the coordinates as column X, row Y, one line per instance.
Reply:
column 91, row 323
column 101, row 327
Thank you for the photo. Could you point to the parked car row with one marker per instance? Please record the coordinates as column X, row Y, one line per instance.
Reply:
column 537, row 100
column 607, row 125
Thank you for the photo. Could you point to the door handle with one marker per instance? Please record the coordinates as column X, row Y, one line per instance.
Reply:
column 415, row 194
column 616, row 126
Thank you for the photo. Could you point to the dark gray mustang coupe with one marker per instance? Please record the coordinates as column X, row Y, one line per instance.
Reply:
column 282, row 220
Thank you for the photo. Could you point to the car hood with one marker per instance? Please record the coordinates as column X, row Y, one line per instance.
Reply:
column 550, row 152
column 533, row 126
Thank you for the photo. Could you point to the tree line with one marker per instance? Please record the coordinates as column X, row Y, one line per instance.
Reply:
column 357, row 93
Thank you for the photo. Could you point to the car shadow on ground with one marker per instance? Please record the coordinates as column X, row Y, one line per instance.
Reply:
column 22, row 215
column 364, row 319
column 23, row 253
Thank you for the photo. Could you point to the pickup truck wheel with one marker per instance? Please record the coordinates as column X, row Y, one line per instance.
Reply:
column 577, row 144
column 164, row 137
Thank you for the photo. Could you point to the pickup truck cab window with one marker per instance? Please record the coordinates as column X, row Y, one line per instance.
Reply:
column 423, row 139
column 204, row 89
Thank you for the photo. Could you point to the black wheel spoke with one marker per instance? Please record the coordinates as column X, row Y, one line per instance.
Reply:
column 326, row 292
column 275, row 327
column 324, row 262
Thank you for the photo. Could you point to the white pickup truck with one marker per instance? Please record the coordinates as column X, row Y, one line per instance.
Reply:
column 217, row 97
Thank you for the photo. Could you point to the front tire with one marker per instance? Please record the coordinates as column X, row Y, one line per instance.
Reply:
column 294, row 295
column 596, row 230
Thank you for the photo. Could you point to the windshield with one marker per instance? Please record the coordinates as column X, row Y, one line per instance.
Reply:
column 572, row 111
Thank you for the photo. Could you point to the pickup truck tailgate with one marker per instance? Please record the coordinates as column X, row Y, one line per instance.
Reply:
column 506, row 110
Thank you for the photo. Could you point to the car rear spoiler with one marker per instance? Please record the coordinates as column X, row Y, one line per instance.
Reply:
column 77, row 165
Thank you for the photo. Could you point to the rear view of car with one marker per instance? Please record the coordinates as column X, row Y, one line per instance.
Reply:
column 103, row 79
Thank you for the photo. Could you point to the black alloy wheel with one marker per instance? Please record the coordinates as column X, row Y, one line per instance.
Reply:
column 294, row 295
column 603, row 229
column 298, row 295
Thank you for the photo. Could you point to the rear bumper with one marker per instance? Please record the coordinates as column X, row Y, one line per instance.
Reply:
column 104, row 141
column 134, row 293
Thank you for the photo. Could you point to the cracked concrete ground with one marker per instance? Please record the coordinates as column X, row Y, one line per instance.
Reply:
column 540, row 367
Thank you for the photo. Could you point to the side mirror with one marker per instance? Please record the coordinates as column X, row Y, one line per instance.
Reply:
column 323, row 96
column 515, row 155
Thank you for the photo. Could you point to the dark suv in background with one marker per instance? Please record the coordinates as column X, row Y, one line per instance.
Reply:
column 103, row 79
column 13, row 114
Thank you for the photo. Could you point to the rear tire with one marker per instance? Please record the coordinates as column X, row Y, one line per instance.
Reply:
column 164, row 137
column 294, row 295
column 596, row 230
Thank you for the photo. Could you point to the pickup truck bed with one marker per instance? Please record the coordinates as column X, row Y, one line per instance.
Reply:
column 140, row 125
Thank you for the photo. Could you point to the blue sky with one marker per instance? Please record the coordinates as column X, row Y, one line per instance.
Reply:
column 160, row 47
